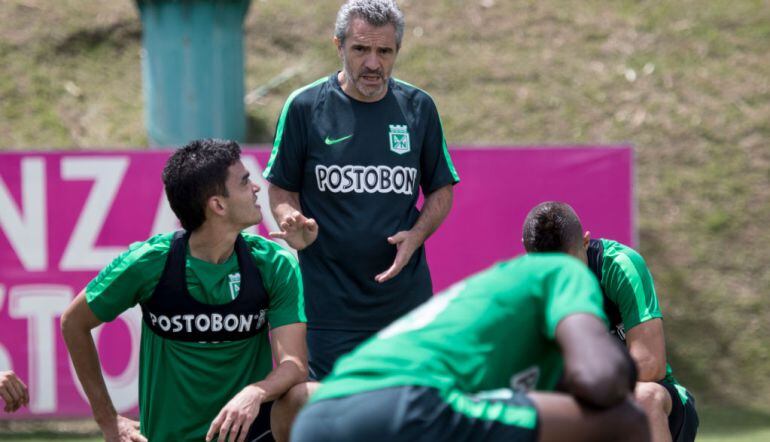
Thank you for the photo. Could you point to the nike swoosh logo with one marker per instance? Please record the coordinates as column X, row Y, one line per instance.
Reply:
column 330, row 141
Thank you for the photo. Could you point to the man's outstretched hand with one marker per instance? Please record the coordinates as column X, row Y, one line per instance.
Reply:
column 406, row 242
column 298, row 231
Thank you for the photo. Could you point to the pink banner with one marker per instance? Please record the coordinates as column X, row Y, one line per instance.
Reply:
column 64, row 216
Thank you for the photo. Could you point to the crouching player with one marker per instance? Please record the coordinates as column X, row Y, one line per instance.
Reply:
column 208, row 295
column 631, row 304
column 463, row 366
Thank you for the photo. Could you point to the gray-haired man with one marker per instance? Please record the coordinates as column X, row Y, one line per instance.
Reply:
column 351, row 151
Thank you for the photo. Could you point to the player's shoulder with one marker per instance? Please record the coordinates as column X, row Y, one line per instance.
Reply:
column 264, row 249
column 617, row 253
column 142, row 257
column 411, row 92
column 548, row 262
column 534, row 267
column 151, row 250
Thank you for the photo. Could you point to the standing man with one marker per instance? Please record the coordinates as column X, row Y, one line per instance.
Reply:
column 462, row 367
column 351, row 152
column 206, row 293
column 631, row 304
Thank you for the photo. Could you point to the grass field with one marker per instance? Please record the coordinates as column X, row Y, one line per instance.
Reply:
column 686, row 82
column 717, row 425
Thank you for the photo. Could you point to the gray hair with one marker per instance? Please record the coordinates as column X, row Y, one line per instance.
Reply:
column 374, row 12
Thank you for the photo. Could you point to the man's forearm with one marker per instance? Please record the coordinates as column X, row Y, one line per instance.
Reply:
column 650, row 369
column 597, row 369
column 282, row 202
column 85, row 359
column 647, row 344
column 286, row 375
column 434, row 211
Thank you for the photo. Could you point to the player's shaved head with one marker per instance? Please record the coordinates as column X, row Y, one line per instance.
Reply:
column 552, row 226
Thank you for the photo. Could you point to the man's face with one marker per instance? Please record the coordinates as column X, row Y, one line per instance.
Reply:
column 368, row 56
column 242, row 208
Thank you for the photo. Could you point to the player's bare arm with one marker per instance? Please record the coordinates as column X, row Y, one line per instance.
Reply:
column 647, row 344
column 290, row 352
column 434, row 210
column 76, row 324
column 595, row 369
column 297, row 230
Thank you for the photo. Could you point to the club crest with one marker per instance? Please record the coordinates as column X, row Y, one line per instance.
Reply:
column 235, row 284
column 399, row 139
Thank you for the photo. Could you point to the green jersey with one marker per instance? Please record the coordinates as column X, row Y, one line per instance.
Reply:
column 629, row 290
column 183, row 385
column 495, row 330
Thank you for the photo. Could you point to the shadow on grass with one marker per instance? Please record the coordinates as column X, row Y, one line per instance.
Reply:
column 117, row 35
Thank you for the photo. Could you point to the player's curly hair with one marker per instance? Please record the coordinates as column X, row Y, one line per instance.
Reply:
column 551, row 226
column 195, row 173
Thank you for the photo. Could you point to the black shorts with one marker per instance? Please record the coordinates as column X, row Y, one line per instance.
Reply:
column 683, row 420
column 324, row 347
column 414, row 413
column 260, row 428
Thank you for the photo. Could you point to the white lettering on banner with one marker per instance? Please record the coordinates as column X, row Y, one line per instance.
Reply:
column 5, row 358
column 40, row 305
column 165, row 220
column 124, row 387
column 107, row 172
column 369, row 179
column 25, row 226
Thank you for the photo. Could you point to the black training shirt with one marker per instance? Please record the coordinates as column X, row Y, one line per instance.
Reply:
column 358, row 168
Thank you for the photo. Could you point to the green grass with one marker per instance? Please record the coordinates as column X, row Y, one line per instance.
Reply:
column 716, row 425
column 50, row 436
column 726, row 424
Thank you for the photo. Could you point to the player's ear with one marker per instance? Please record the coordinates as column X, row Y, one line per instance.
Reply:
column 586, row 239
column 338, row 45
column 217, row 205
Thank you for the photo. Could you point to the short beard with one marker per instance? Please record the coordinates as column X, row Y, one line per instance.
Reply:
column 366, row 93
